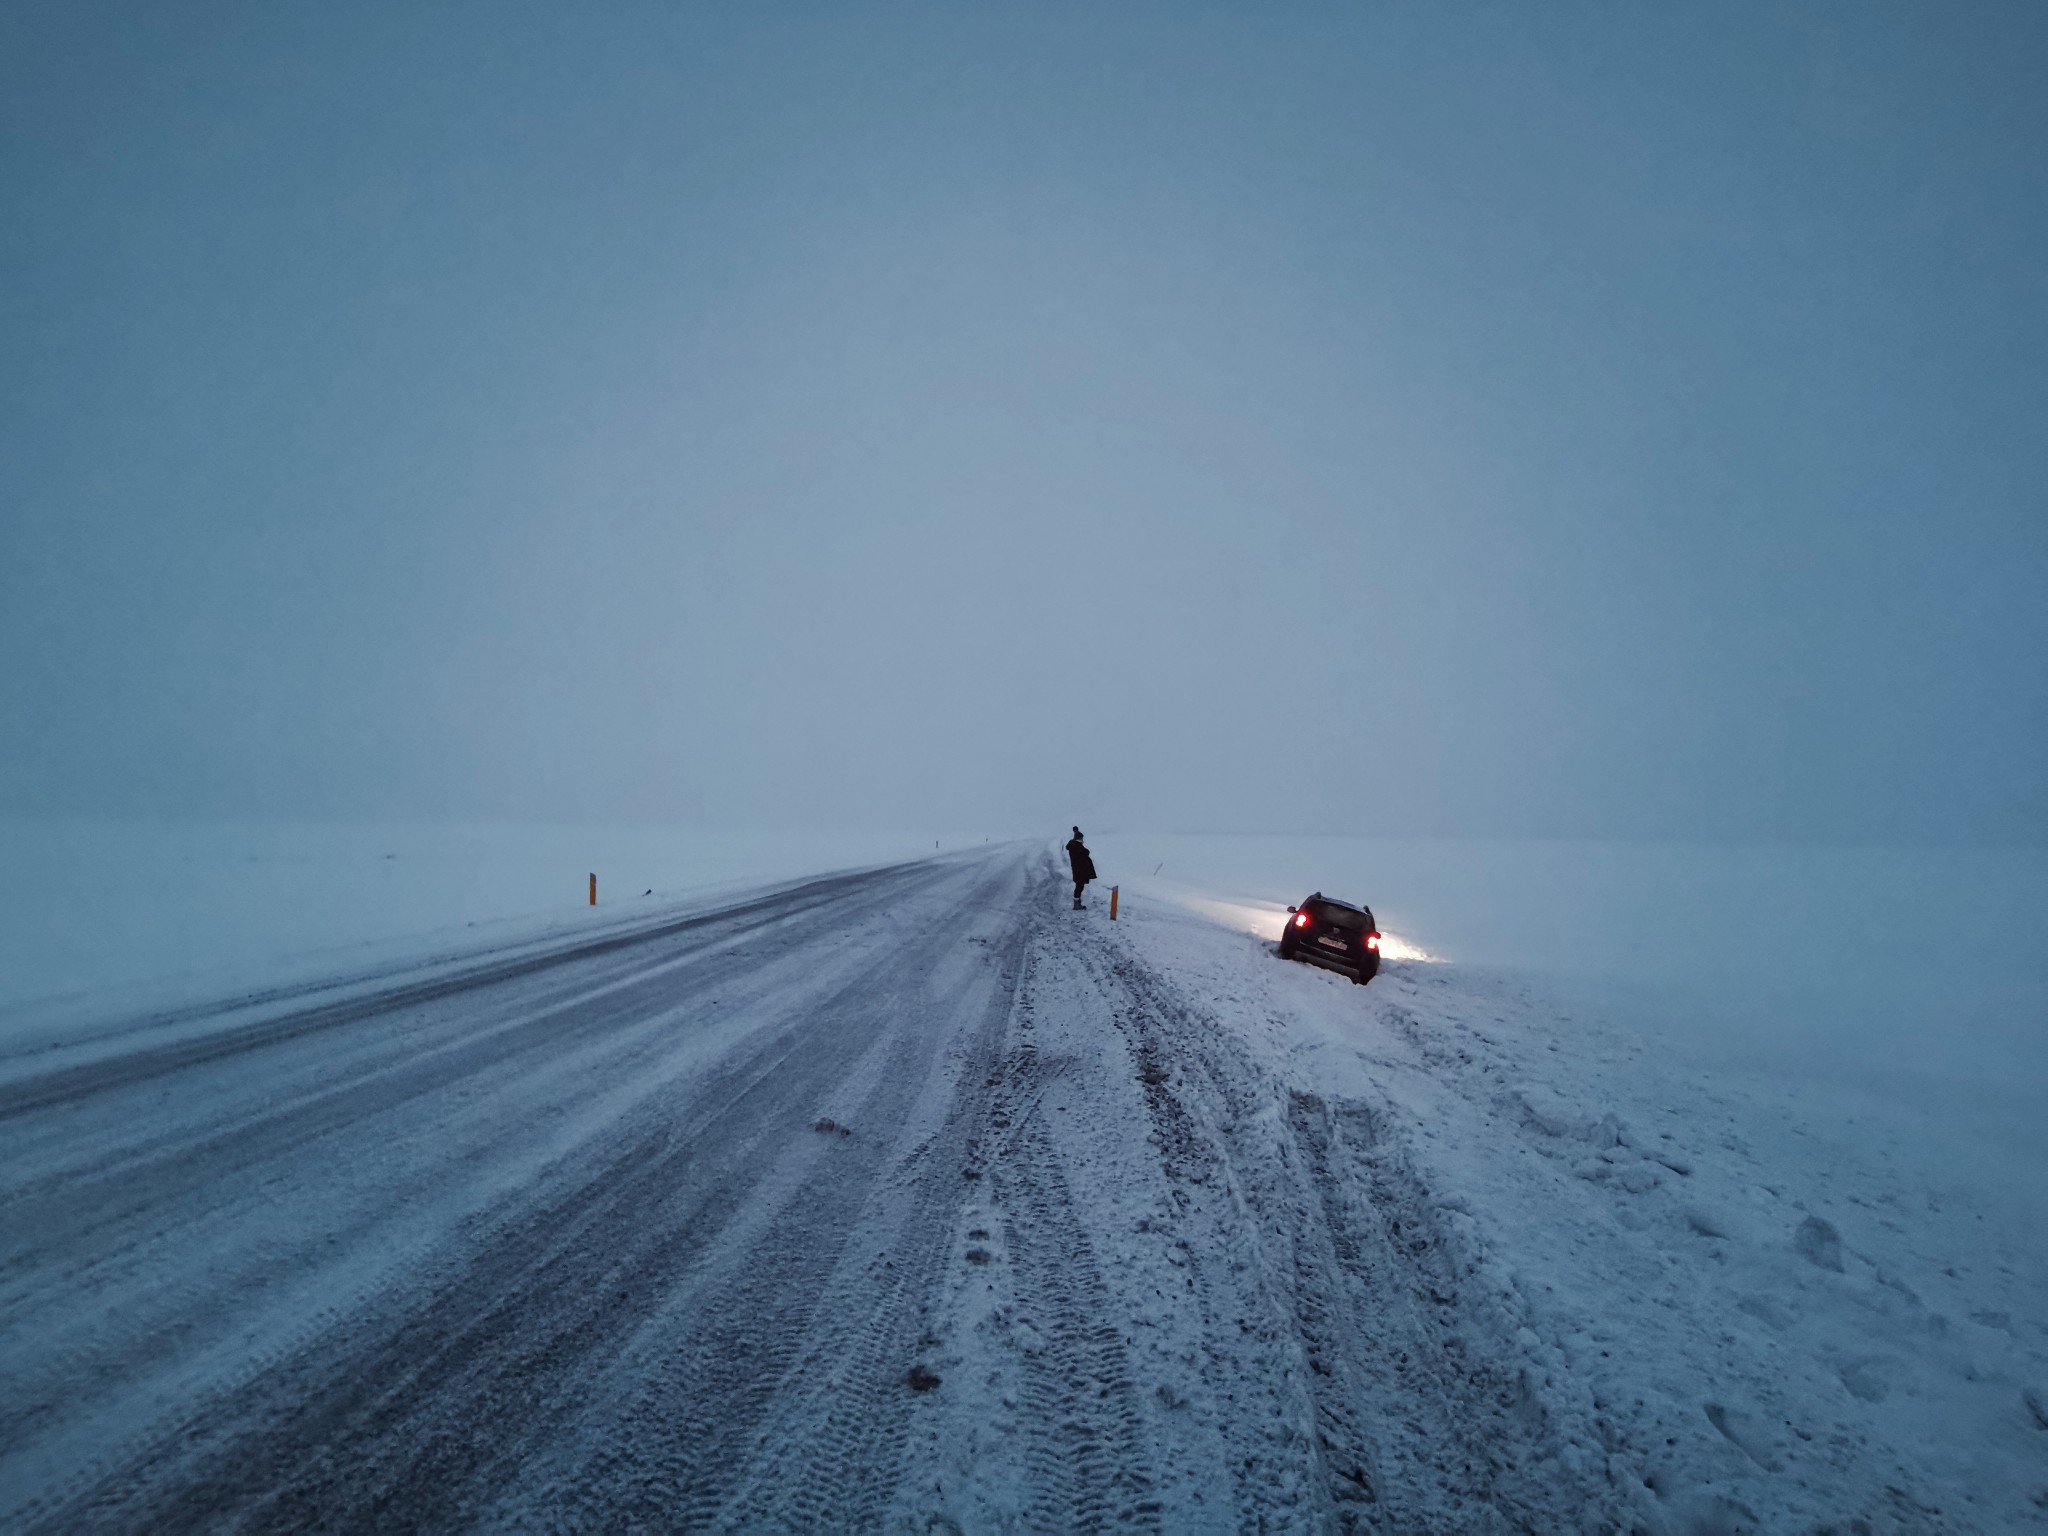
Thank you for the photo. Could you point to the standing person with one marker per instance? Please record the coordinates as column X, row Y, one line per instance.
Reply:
column 1083, row 865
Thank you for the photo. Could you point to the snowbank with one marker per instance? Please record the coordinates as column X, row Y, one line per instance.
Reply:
column 1752, row 1142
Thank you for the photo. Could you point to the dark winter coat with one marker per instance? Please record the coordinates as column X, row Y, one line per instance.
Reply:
column 1077, row 855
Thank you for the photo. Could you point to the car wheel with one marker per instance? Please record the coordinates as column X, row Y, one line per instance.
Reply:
column 1361, row 977
column 1286, row 950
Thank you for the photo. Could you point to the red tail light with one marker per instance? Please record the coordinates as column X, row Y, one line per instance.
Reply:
column 1372, row 941
column 1301, row 919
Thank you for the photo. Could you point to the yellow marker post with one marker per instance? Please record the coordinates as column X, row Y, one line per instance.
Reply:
column 1112, row 903
column 593, row 890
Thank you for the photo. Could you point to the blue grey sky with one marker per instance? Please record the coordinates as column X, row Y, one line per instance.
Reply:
column 1552, row 420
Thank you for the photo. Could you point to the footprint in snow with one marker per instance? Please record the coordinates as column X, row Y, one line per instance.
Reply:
column 1819, row 1243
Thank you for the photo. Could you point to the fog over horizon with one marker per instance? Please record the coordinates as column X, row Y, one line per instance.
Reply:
column 1474, row 420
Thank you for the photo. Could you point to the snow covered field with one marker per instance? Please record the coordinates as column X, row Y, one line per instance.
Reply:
column 911, row 1199
column 1757, row 1138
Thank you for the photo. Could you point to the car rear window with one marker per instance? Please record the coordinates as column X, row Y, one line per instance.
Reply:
column 1340, row 917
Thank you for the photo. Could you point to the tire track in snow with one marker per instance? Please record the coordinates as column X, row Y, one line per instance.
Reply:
column 1416, row 1427
column 43, row 1090
column 55, row 1207
column 1084, row 1449
column 191, row 1237
column 788, row 1406
column 831, row 1457
column 701, row 1231
column 408, row 1393
column 1210, row 1112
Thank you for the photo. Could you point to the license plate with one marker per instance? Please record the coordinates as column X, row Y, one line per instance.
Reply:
column 1333, row 943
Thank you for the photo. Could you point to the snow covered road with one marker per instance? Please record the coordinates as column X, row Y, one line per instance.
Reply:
column 550, row 1236
column 891, row 1198
column 911, row 1199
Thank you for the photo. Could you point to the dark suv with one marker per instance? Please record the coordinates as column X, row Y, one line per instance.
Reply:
column 1333, row 933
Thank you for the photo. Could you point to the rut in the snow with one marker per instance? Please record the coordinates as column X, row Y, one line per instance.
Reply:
column 1083, row 1446
column 1416, row 1427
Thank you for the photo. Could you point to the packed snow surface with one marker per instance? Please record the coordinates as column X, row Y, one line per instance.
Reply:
column 910, row 1198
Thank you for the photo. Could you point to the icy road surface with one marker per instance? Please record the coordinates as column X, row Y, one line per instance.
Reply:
column 653, row 1228
column 904, row 1199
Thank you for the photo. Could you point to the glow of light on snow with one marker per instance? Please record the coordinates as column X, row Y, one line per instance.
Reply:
column 1394, row 947
column 1266, row 922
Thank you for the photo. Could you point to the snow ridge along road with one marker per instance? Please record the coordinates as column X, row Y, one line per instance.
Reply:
column 907, row 1198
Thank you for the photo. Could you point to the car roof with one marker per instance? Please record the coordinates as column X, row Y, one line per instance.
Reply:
column 1331, row 901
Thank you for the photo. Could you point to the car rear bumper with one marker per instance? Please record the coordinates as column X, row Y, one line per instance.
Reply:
column 1337, row 960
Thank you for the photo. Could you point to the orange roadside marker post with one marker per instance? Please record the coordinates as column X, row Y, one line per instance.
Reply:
column 593, row 890
column 1112, row 903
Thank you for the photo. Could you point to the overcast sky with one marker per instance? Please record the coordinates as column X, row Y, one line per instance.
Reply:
column 1547, row 419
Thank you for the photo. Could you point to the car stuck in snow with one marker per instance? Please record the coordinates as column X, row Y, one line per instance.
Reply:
column 1335, row 934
